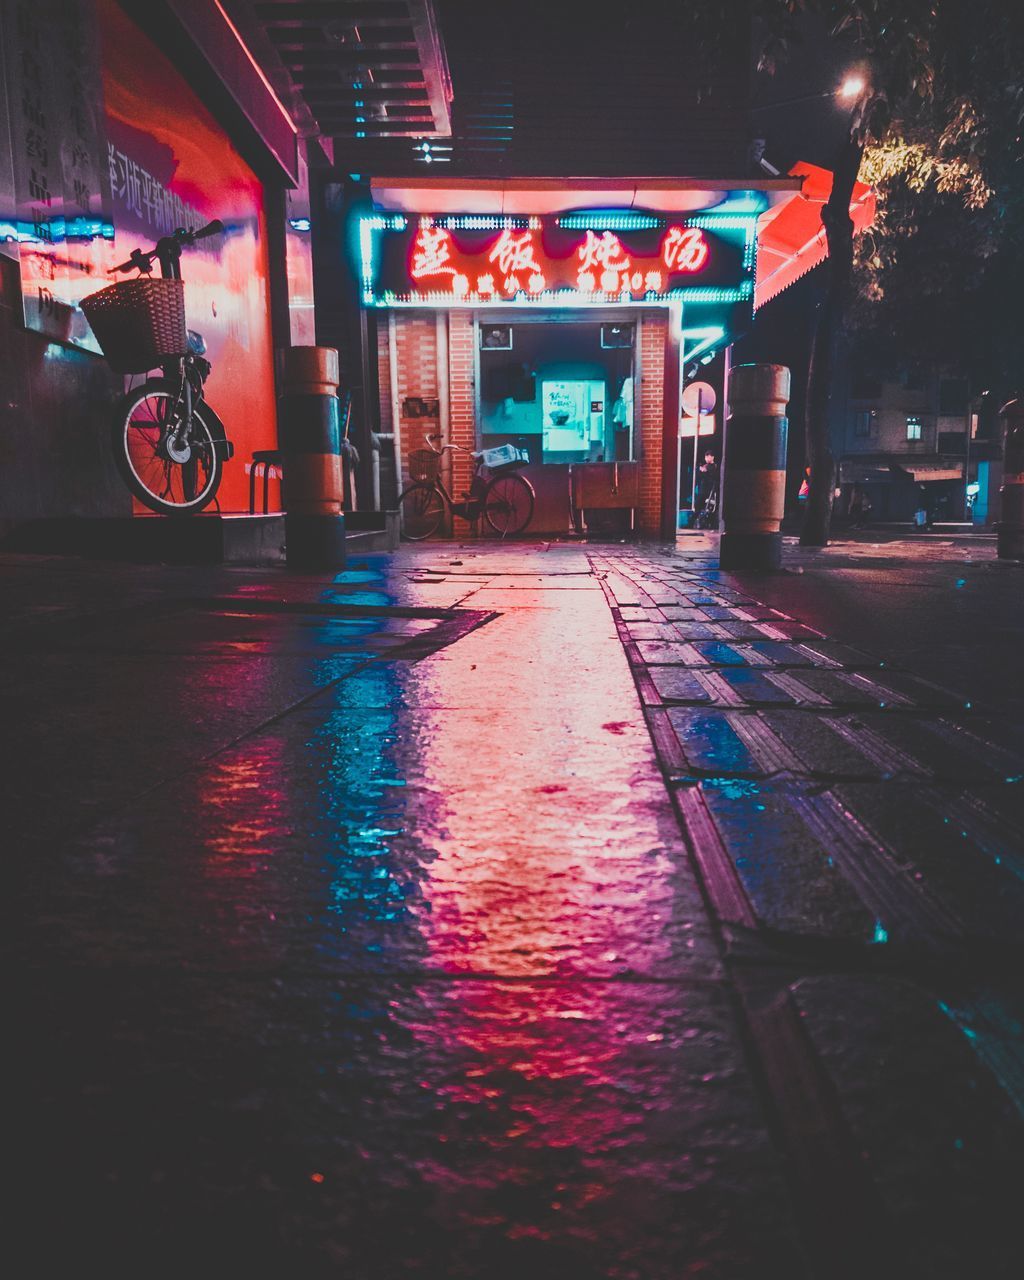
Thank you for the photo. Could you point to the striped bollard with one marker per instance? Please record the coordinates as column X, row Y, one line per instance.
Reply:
column 310, row 436
column 754, row 467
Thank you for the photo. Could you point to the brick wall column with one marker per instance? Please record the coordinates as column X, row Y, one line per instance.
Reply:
column 416, row 351
column 462, row 396
column 651, row 401
column 384, row 371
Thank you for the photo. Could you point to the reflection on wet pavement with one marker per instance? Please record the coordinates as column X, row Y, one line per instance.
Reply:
column 361, row 937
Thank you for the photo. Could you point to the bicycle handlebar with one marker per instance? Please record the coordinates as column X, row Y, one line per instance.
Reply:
column 455, row 448
column 171, row 244
column 430, row 441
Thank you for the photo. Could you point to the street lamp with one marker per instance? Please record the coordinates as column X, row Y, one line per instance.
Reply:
column 851, row 88
column 848, row 91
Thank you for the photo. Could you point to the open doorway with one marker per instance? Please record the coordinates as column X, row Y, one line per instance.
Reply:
column 562, row 390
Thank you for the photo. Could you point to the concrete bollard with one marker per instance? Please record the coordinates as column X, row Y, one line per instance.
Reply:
column 754, row 467
column 310, row 437
column 1010, row 529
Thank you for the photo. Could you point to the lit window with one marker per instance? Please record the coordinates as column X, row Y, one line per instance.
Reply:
column 913, row 428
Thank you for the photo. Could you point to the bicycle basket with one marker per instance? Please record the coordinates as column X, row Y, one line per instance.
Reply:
column 138, row 323
column 423, row 465
column 505, row 455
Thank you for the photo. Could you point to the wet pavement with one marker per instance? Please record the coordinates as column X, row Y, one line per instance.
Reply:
column 556, row 910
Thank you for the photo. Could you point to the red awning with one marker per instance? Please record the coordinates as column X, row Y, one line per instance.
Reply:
column 791, row 237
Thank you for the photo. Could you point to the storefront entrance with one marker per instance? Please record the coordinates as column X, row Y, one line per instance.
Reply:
column 561, row 390
column 562, row 333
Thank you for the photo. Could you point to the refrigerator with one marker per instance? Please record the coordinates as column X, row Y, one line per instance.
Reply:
column 573, row 415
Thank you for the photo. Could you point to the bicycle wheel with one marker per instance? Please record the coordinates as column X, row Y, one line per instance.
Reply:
column 508, row 504
column 173, row 480
column 422, row 512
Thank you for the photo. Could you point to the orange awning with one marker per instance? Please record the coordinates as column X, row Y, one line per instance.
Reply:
column 791, row 237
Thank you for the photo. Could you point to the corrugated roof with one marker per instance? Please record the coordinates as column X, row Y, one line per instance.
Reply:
column 353, row 71
column 554, row 87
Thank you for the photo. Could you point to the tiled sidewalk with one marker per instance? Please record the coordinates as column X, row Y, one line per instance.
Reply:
column 859, row 835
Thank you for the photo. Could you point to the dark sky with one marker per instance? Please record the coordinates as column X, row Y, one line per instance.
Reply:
column 590, row 88
column 811, row 129
column 576, row 87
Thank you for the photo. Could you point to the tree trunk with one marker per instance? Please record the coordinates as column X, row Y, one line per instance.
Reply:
column 828, row 323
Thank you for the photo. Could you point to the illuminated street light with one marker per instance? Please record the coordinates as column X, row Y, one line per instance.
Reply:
column 850, row 89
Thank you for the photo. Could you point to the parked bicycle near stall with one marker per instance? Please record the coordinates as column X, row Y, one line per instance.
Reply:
column 169, row 445
column 504, row 499
column 707, row 512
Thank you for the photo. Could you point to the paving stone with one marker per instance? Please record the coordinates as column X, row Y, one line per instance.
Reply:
column 946, row 847
column 651, row 631
column 711, row 744
column 1005, row 804
column 781, row 654
column 823, row 751
column 684, row 615
column 718, row 654
column 720, row 613
column 834, row 689
column 678, row 684
column 782, row 629
column 793, row 882
column 740, row 630
column 658, row 652
column 955, row 752
column 941, row 1141
column 754, row 689
column 845, row 655
column 921, row 693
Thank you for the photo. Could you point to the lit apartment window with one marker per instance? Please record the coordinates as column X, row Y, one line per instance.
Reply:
column 913, row 428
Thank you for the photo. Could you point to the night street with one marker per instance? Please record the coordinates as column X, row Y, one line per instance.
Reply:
column 511, row 628
column 350, row 941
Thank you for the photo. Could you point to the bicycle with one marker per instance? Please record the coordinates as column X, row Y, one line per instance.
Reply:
column 505, row 500
column 169, row 445
column 707, row 513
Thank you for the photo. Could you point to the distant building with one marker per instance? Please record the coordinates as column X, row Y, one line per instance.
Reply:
column 908, row 443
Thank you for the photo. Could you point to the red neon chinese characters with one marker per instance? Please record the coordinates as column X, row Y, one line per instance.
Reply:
column 604, row 252
column 431, row 253
column 684, row 249
column 514, row 253
column 510, row 262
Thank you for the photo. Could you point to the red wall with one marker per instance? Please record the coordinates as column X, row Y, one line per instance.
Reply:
column 164, row 142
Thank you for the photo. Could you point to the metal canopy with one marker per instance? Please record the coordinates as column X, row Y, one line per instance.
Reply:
column 352, row 69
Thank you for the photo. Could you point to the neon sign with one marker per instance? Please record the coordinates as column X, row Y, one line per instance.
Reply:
column 608, row 258
column 432, row 253
column 514, row 253
column 684, row 249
